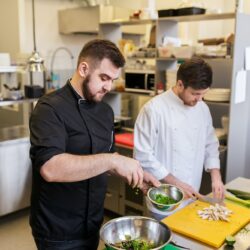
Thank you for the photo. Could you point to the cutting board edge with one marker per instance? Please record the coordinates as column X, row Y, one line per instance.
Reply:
column 202, row 240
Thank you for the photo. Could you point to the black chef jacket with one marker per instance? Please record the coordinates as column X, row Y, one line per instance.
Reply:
column 62, row 122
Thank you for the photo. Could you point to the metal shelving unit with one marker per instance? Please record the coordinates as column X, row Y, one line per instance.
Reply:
column 237, row 160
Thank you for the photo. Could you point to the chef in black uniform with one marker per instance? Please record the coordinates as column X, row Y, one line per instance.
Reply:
column 72, row 145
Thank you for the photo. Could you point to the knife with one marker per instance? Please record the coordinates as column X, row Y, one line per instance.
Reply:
column 210, row 200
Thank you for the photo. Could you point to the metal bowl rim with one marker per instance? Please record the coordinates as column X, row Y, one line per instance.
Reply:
column 134, row 217
column 165, row 185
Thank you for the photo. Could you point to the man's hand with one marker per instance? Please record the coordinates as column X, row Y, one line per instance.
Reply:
column 148, row 181
column 128, row 168
column 218, row 188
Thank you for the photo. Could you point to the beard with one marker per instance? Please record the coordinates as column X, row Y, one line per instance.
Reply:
column 90, row 97
column 85, row 89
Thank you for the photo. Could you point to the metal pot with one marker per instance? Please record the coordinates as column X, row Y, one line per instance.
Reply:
column 138, row 227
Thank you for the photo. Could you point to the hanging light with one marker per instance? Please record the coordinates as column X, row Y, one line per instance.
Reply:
column 35, row 63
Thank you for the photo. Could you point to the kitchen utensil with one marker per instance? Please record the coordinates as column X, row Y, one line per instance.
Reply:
column 126, row 139
column 210, row 200
column 33, row 91
column 190, row 11
column 168, row 190
column 218, row 95
column 187, row 222
column 15, row 94
column 167, row 12
column 114, row 231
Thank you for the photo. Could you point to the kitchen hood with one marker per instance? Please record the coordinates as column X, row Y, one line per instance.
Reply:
column 79, row 20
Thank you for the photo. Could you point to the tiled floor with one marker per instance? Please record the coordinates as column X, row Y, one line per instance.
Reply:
column 15, row 232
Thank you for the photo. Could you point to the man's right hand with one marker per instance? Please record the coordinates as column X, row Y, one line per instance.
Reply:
column 128, row 168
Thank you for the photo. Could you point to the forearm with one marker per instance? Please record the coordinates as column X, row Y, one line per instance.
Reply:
column 186, row 188
column 70, row 168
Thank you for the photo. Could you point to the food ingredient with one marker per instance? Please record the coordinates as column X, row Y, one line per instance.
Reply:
column 215, row 213
column 135, row 244
column 230, row 240
column 240, row 194
column 137, row 191
column 163, row 199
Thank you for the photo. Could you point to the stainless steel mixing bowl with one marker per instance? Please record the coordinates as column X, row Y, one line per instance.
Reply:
column 167, row 190
column 138, row 227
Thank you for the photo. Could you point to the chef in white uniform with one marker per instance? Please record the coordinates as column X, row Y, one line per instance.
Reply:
column 174, row 137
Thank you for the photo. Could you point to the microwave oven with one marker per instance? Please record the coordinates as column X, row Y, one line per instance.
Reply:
column 142, row 81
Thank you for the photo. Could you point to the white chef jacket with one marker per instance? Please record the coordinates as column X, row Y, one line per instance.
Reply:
column 171, row 137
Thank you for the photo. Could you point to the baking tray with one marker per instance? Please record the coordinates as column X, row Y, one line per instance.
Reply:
column 190, row 11
column 167, row 13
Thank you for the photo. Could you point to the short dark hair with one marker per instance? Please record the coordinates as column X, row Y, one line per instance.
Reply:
column 98, row 49
column 195, row 73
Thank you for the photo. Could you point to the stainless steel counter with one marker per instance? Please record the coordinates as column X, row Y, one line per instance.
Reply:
column 13, row 133
column 242, row 237
column 15, row 169
column 11, row 102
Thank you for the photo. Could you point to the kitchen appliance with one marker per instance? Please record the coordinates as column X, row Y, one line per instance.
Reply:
column 210, row 200
column 218, row 95
column 142, row 81
column 34, row 91
column 187, row 222
column 36, row 68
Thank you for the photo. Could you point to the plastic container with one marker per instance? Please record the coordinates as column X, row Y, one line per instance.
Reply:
column 167, row 13
column 183, row 52
column 166, row 51
column 190, row 11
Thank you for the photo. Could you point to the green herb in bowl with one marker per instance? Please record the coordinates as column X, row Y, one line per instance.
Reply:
column 166, row 197
column 163, row 199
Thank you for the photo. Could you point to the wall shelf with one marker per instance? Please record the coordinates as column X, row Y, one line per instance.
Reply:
column 188, row 18
column 9, row 69
column 203, row 17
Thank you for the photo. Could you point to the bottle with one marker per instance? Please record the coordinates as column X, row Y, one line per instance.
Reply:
column 159, row 88
column 55, row 81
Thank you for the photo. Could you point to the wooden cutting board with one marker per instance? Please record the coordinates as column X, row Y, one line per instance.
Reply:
column 187, row 222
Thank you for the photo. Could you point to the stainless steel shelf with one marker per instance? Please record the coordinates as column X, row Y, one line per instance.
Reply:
column 217, row 103
column 9, row 69
column 188, row 18
column 13, row 133
column 130, row 22
column 11, row 102
column 183, row 59
column 203, row 17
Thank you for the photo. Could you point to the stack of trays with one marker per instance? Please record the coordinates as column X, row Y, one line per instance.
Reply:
column 218, row 95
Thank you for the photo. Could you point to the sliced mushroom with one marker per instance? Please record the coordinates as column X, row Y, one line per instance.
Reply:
column 215, row 213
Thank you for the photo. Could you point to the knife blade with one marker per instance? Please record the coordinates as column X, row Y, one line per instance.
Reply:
column 210, row 200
